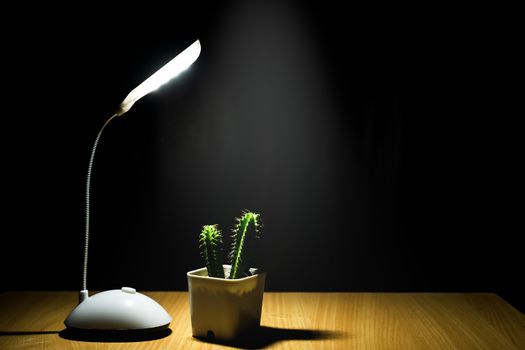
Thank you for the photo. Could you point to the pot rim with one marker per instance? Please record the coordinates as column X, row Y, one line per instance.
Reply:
column 196, row 274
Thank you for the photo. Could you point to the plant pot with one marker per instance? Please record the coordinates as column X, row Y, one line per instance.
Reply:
column 224, row 309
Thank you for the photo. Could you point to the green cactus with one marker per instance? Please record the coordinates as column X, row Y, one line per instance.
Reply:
column 240, row 236
column 210, row 240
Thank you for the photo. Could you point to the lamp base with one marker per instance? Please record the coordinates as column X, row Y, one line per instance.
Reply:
column 118, row 310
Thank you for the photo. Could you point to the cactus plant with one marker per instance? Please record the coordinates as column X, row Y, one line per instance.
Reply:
column 240, row 236
column 211, row 239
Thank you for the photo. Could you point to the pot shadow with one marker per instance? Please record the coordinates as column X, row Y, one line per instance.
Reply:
column 112, row 336
column 263, row 336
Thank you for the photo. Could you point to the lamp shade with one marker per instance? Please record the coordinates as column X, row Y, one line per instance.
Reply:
column 169, row 71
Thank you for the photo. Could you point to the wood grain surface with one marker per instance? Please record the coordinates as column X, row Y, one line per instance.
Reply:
column 34, row 320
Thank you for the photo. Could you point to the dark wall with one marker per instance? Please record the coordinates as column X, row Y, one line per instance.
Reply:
column 377, row 147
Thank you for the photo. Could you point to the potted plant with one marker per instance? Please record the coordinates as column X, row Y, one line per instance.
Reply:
column 226, row 299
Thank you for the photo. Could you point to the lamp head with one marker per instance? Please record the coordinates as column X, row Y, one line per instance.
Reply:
column 169, row 71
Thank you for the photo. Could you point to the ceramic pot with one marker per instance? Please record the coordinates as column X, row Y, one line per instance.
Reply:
column 224, row 309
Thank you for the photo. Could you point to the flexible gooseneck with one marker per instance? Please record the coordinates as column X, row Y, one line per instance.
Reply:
column 84, row 292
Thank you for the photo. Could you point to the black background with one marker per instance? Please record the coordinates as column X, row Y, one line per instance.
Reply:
column 379, row 145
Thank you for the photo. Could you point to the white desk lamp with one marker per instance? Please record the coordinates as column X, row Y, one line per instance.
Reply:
column 125, row 309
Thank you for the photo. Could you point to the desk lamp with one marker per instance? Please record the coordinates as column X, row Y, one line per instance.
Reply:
column 125, row 309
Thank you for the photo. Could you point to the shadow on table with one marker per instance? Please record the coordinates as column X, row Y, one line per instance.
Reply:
column 264, row 336
column 114, row 335
column 2, row 333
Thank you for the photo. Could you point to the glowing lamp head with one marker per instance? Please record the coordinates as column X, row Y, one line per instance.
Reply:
column 169, row 71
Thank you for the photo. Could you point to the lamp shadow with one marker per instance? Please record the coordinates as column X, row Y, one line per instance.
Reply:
column 263, row 336
column 113, row 336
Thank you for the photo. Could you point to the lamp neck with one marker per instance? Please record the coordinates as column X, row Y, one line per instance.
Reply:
column 88, row 189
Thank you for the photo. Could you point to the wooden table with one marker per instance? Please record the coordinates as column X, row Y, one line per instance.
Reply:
column 31, row 320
